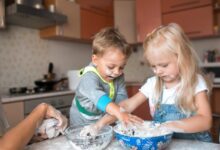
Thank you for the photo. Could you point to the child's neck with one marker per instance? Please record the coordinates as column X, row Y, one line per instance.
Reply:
column 169, row 85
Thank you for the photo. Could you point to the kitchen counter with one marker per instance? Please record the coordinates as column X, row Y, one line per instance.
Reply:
column 176, row 144
column 15, row 98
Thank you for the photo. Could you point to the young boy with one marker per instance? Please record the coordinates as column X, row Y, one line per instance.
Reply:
column 102, row 81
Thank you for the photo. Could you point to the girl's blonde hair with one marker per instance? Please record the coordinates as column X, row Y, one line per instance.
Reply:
column 110, row 37
column 171, row 39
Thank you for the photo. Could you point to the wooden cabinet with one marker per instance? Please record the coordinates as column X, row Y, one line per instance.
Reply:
column 195, row 17
column 91, row 23
column 215, row 104
column 124, row 19
column 95, row 15
column 99, row 6
column 148, row 17
column 14, row 112
column 69, row 30
column 143, row 111
column 85, row 18
column 215, row 101
column 195, row 22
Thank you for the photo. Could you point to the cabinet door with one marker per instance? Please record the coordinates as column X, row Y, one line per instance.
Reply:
column 14, row 112
column 148, row 17
column 195, row 22
column 71, row 29
column 143, row 111
column 176, row 5
column 124, row 19
column 215, row 102
column 104, row 7
column 92, row 22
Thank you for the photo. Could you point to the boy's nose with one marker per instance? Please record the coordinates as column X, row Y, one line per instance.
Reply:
column 117, row 71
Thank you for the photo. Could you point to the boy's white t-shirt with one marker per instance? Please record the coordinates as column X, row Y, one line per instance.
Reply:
column 170, row 94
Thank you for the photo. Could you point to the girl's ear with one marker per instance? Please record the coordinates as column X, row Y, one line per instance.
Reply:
column 94, row 59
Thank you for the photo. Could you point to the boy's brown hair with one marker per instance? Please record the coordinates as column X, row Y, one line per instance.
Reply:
column 110, row 37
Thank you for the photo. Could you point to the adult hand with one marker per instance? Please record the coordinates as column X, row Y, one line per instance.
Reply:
column 48, row 129
column 53, row 113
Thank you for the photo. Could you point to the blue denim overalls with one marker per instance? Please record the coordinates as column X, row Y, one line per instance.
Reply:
column 170, row 112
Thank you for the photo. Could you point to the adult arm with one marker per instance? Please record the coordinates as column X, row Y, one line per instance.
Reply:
column 17, row 137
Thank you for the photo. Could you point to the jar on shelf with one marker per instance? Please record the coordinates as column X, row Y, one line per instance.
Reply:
column 211, row 55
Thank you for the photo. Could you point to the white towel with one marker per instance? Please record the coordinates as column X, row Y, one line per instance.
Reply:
column 49, row 127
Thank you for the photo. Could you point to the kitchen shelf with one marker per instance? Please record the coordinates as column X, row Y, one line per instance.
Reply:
column 214, row 64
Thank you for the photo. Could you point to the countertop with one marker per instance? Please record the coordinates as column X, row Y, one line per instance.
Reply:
column 61, row 143
column 5, row 98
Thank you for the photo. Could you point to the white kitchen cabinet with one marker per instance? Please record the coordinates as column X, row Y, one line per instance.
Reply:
column 14, row 112
column 124, row 19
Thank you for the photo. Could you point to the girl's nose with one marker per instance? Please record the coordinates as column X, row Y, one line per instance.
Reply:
column 157, row 71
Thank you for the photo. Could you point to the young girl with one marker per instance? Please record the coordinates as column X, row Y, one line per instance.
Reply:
column 178, row 93
column 102, row 82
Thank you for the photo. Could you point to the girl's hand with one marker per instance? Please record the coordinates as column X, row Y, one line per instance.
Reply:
column 173, row 126
column 127, row 119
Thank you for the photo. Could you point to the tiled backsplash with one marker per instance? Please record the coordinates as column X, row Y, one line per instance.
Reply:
column 22, row 57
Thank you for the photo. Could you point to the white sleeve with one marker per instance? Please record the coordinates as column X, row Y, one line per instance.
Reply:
column 201, row 85
column 147, row 88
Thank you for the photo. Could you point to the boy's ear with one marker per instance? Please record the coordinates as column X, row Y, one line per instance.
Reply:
column 94, row 59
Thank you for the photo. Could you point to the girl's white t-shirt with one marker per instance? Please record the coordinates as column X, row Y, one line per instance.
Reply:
column 170, row 94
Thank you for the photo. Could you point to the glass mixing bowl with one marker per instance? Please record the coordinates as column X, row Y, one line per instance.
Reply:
column 98, row 142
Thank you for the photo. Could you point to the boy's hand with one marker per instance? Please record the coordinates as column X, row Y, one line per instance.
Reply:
column 89, row 130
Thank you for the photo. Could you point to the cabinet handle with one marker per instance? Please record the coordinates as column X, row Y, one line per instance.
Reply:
column 98, row 9
column 193, row 32
column 185, row 4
